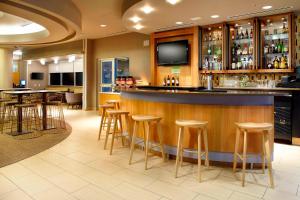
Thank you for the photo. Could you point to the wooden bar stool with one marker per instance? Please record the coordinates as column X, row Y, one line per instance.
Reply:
column 201, row 127
column 116, row 103
column 115, row 118
column 265, row 130
column 146, row 120
column 103, row 122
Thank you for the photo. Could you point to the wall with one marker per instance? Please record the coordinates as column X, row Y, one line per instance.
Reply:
column 127, row 45
column 37, row 67
column 6, row 63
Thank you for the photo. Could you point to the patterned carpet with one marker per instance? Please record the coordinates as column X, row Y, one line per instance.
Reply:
column 16, row 148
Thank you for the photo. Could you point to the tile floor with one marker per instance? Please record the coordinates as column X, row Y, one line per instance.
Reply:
column 79, row 168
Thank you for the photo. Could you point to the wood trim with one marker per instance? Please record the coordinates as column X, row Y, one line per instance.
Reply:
column 173, row 33
column 295, row 141
column 195, row 57
column 152, row 60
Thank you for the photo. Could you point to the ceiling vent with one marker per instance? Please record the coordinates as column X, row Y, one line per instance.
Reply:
column 260, row 13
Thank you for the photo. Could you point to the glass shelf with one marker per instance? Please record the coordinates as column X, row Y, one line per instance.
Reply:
column 243, row 41
column 283, row 36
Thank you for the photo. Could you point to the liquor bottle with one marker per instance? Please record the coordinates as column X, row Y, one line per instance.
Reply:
column 282, row 62
column 209, row 50
column 233, row 64
column 276, row 48
column 247, row 34
column 233, row 50
column 286, row 61
column 209, row 37
column 266, row 48
column 270, row 65
column 206, row 64
column 168, row 80
column 177, row 81
column 276, row 63
column 251, row 33
column 285, row 48
column 250, row 61
column 284, row 29
column 279, row 50
column 245, row 50
column 272, row 47
column 164, row 81
column 239, row 50
column 239, row 63
column 237, row 34
column 232, row 35
column 242, row 35
column 173, row 81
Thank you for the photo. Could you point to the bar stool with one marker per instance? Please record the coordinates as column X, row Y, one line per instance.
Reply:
column 116, row 103
column 55, row 114
column 104, row 122
column 265, row 130
column 201, row 127
column 7, row 114
column 146, row 120
column 115, row 117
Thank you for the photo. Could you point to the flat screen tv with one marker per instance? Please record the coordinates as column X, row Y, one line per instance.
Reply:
column 55, row 78
column 37, row 76
column 68, row 78
column 173, row 53
column 78, row 78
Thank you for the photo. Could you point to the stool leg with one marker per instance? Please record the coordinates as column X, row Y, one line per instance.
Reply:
column 160, row 135
column 113, row 134
column 263, row 154
column 144, row 133
column 268, row 152
column 128, row 126
column 206, row 147
column 133, row 141
column 199, row 154
column 178, row 151
column 236, row 148
column 147, row 144
column 107, row 131
column 244, row 158
column 101, row 123
column 121, row 129
column 181, row 149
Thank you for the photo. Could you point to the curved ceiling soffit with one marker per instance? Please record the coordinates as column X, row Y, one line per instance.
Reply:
column 60, row 28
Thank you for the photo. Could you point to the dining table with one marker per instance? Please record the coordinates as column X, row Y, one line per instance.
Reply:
column 20, row 95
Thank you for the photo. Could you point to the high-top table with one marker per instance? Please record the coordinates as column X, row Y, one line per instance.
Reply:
column 20, row 95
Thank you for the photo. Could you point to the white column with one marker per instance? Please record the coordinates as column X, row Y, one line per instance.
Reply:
column 6, row 62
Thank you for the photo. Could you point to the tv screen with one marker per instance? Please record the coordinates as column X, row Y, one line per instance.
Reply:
column 173, row 53
column 68, row 78
column 55, row 78
column 78, row 78
column 37, row 76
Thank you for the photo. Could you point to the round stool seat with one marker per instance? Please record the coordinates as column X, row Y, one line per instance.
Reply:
column 25, row 105
column 251, row 125
column 106, row 106
column 191, row 123
column 116, row 112
column 113, row 101
column 145, row 118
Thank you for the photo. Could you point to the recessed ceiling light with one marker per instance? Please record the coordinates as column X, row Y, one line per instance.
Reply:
column 72, row 58
column 266, row 7
column 195, row 18
column 179, row 23
column 135, row 19
column 18, row 52
column 43, row 61
column 138, row 26
column 29, row 62
column 56, row 59
column 215, row 16
column 147, row 9
column 103, row 25
column 173, row 2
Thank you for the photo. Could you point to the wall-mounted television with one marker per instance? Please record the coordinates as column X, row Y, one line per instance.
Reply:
column 173, row 53
column 68, row 78
column 37, row 76
column 78, row 78
column 55, row 78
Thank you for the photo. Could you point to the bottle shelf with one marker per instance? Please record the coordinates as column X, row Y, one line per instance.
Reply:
column 276, row 54
column 243, row 41
column 282, row 36
column 247, row 71
column 215, row 42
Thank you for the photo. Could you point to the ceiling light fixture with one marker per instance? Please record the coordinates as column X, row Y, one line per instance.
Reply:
column 135, row 19
column 42, row 61
column 147, row 9
column 56, row 59
column 179, row 23
column 215, row 16
column 29, row 62
column 266, row 7
column 103, row 25
column 195, row 18
column 173, row 2
column 138, row 26
column 18, row 52
column 72, row 58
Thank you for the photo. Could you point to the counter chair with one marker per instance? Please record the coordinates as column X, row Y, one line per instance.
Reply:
column 7, row 107
column 146, row 121
column 201, row 127
column 114, row 118
column 261, row 128
column 55, row 114
column 104, row 122
column 116, row 103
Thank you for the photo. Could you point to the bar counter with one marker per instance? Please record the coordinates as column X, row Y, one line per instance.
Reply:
column 221, row 108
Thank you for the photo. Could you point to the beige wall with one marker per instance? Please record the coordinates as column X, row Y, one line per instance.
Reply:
column 37, row 67
column 6, row 63
column 127, row 45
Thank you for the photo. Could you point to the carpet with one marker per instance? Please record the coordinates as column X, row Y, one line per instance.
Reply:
column 16, row 148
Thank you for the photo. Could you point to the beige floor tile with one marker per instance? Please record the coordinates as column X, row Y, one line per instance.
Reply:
column 241, row 196
column 105, row 167
column 94, row 193
column 68, row 182
column 15, row 195
column 203, row 197
column 130, row 192
column 6, row 185
column 171, row 191
column 82, row 157
column 102, row 180
column 53, row 194
column 134, row 178
column 272, row 194
column 15, row 171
